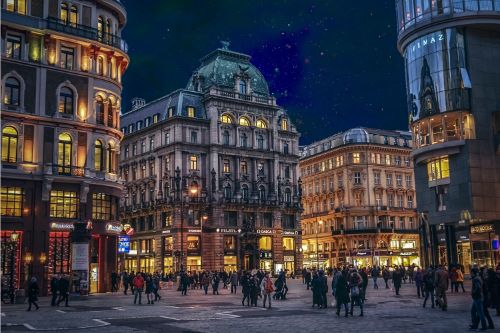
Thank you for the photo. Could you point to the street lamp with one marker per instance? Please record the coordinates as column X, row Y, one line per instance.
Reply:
column 320, row 222
column 14, row 236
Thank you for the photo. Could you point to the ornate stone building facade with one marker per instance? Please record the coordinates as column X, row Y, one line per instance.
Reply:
column 62, row 63
column 211, row 174
column 451, row 50
column 359, row 200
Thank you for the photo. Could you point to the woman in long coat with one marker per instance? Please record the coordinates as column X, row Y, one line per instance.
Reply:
column 342, row 293
column 33, row 290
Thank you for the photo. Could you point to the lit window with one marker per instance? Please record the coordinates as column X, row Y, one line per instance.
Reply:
column 64, row 13
column 100, row 28
column 18, row 6
column 73, row 16
column 12, row 201
column 438, row 169
column 99, row 156
column 244, row 121
column 226, row 119
column 288, row 243
column 64, row 153
column 261, row 123
column 190, row 112
column 226, row 167
column 12, row 93
column 356, row 158
column 155, row 118
column 13, row 47
column 67, row 57
column 66, row 101
column 101, row 206
column 339, row 160
column 265, row 243
column 9, row 144
column 64, row 204
column 99, row 111
column 284, row 124
column 388, row 159
column 100, row 66
column 193, row 162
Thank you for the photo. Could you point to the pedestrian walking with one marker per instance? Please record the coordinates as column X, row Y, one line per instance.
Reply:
column 357, row 293
column 397, row 277
column 114, row 282
column 460, row 280
column 234, row 282
column 125, row 282
column 205, row 282
column 254, row 289
column 453, row 280
column 149, row 290
column 246, row 288
column 374, row 274
column 486, row 276
column 342, row 293
column 156, row 286
column 54, row 289
column 386, row 275
column 428, row 282
column 138, row 283
column 477, row 311
column 63, row 290
column 441, row 282
column 418, row 278
column 33, row 291
column 267, row 288
column 322, row 284
column 215, row 283
column 308, row 279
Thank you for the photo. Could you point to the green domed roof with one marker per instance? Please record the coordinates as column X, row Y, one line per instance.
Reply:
column 221, row 68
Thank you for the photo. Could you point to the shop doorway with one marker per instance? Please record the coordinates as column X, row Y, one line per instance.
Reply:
column 94, row 278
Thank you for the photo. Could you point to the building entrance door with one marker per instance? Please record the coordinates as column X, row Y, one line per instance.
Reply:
column 94, row 277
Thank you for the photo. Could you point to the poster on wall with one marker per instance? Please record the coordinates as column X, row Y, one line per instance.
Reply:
column 80, row 257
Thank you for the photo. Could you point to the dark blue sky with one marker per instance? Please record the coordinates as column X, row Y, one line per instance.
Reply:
column 332, row 64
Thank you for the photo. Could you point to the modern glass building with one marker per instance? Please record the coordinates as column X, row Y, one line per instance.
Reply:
column 451, row 51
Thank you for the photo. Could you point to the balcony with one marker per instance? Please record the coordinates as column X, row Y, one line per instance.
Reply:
column 244, row 97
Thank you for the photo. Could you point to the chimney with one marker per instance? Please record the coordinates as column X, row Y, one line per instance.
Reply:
column 138, row 103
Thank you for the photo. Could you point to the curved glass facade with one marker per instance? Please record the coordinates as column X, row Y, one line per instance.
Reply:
column 436, row 76
column 411, row 12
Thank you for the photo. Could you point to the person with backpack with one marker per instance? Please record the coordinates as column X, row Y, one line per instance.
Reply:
column 428, row 283
column 267, row 288
column 357, row 294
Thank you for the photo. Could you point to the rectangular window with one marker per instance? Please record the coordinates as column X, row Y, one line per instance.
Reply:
column 193, row 162
column 378, row 199
column 407, row 161
column 13, row 47
column 155, row 118
column 410, row 201
column 170, row 112
column 357, row 177
column 166, row 219
column 397, row 160
column 390, row 200
column 400, row 201
column 134, row 149
column 388, row 159
column 101, row 206
column 356, row 158
column 331, row 184
column 12, row 201
column 389, row 180
column 229, row 243
column 438, row 169
column 167, row 137
column 193, row 243
column 230, row 219
column 67, row 57
column 127, row 150
column 408, row 181
column 376, row 178
column 267, row 220
column 243, row 167
column 340, row 180
column 143, row 146
column 194, row 137
column 226, row 167
column 288, row 243
column 190, row 112
column 64, row 204
column 399, row 180
column 168, row 243
column 152, row 143
column 265, row 243
column 339, row 160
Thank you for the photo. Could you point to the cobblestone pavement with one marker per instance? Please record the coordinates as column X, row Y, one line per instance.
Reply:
column 222, row 313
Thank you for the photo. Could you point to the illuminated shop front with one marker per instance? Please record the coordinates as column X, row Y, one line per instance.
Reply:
column 230, row 253
column 193, row 260
column 266, row 253
column 168, row 260
column 484, row 239
column 11, row 259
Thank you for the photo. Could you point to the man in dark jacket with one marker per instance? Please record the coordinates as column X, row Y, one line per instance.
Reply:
column 397, row 277
column 428, row 281
column 54, row 289
column 63, row 290
column 441, row 283
column 323, row 290
column 477, row 312
column 245, row 283
column 342, row 293
column 308, row 279
column 386, row 275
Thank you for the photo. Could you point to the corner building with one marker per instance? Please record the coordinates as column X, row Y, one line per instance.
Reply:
column 211, row 174
column 62, row 64
column 451, row 51
column 359, row 200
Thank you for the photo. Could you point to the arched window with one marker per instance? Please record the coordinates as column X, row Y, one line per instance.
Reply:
column 262, row 193
column 66, row 100
column 244, row 191
column 261, row 123
column 12, row 93
column 244, row 121
column 64, row 13
column 284, row 124
column 227, row 191
column 288, row 195
column 260, row 141
column 99, row 110
column 226, row 119
column 108, row 28
column 243, row 87
column 98, row 156
column 64, row 153
column 73, row 16
column 111, row 114
column 100, row 66
column 110, row 159
column 225, row 138
column 9, row 144
column 100, row 28
column 243, row 140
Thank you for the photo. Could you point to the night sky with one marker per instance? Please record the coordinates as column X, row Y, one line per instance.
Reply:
column 332, row 65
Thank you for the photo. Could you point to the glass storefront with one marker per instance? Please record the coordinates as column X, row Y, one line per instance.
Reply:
column 193, row 263
column 230, row 264
column 266, row 265
column 436, row 78
column 59, row 254
column 168, row 264
column 147, row 264
column 289, row 267
column 11, row 261
column 131, row 265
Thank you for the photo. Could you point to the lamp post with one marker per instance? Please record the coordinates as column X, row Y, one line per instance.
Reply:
column 193, row 191
column 320, row 222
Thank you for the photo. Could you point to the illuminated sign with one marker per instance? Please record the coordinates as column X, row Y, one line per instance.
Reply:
column 166, row 231
column 407, row 253
column 123, row 244
column 116, row 228
column 426, row 41
column 266, row 231
column 194, row 230
column 288, row 258
column 477, row 229
column 62, row 226
column 228, row 230
column 290, row 233
column 133, row 252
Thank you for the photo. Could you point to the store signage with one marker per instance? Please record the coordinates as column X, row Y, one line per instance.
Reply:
column 228, row 230
column 123, row 244
column 80, row 256
column 361, row 253
column 113, row 227
column 407, row 253
column 290, row 233
column 324, row 256
column 266, row 231
column 477, row 229
column 194, row 230
column 62, row 226
column 288, row 258
column 132, row 252
column 166, row 231
column 266, row 255
column 426, row 41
